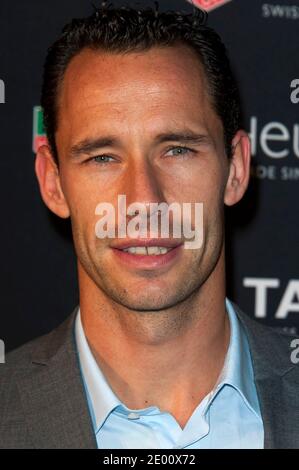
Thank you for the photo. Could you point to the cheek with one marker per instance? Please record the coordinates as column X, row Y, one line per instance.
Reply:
column 211, row 194
column 81, row 196
column 204, row 185
column 82, row 204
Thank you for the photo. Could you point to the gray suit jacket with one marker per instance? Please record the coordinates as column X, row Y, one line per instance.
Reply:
column 43, row 403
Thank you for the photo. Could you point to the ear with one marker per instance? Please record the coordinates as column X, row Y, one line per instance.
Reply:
column 239, row 169
column 46, row 170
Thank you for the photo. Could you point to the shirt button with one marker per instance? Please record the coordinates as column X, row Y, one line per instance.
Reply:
column 133, row 416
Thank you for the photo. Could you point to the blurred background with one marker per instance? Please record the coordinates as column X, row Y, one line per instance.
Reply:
column 38, row 266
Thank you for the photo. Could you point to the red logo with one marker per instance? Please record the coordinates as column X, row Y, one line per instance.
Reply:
column 208, row 4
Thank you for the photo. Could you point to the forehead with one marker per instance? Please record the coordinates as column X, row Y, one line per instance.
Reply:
column 150, row 86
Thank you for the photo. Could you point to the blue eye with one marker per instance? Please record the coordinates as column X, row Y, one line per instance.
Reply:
column 102, row 159
column 182, row 151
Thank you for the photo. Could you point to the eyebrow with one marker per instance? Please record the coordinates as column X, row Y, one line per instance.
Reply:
column 89, row 145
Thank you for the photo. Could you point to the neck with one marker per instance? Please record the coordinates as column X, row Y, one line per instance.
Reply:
column 146, row 357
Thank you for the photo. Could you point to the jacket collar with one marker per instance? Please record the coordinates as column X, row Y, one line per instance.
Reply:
column 277, row 382
column 52, row 392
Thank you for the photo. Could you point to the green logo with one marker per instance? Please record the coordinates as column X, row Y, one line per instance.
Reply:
column 39, row 134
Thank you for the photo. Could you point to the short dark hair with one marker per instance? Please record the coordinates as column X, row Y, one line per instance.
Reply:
column 127, row 29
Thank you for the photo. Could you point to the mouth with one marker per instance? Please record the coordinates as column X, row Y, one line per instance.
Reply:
column 148, row 255
column 147, row 250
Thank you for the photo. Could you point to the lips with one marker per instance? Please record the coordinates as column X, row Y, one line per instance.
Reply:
column 147, row 250
column 147, row 243
column 147, row 253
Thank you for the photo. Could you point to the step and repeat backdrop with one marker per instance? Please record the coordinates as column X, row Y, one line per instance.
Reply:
column 38, row 266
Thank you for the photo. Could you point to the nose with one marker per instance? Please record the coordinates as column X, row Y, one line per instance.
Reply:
column 143, row 184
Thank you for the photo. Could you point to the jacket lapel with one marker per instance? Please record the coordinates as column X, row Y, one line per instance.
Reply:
column 53, row 395
column 277, row 383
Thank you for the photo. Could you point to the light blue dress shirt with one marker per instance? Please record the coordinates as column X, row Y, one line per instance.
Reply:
column 228, row 417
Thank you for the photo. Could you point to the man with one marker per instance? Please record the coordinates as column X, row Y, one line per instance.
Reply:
column 143, row 104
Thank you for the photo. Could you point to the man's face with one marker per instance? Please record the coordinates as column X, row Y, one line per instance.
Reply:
column 135, row 98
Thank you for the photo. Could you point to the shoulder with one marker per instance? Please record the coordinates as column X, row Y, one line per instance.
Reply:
column 21, row 369
column 13, row 427
column 272, row 348
column 22, row 360
column 43, row 347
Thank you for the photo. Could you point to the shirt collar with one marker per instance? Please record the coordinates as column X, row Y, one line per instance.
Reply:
column 237, row 372
column 99, row 393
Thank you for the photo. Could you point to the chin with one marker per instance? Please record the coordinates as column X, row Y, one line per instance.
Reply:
column 149, row 302
column 145, row 305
